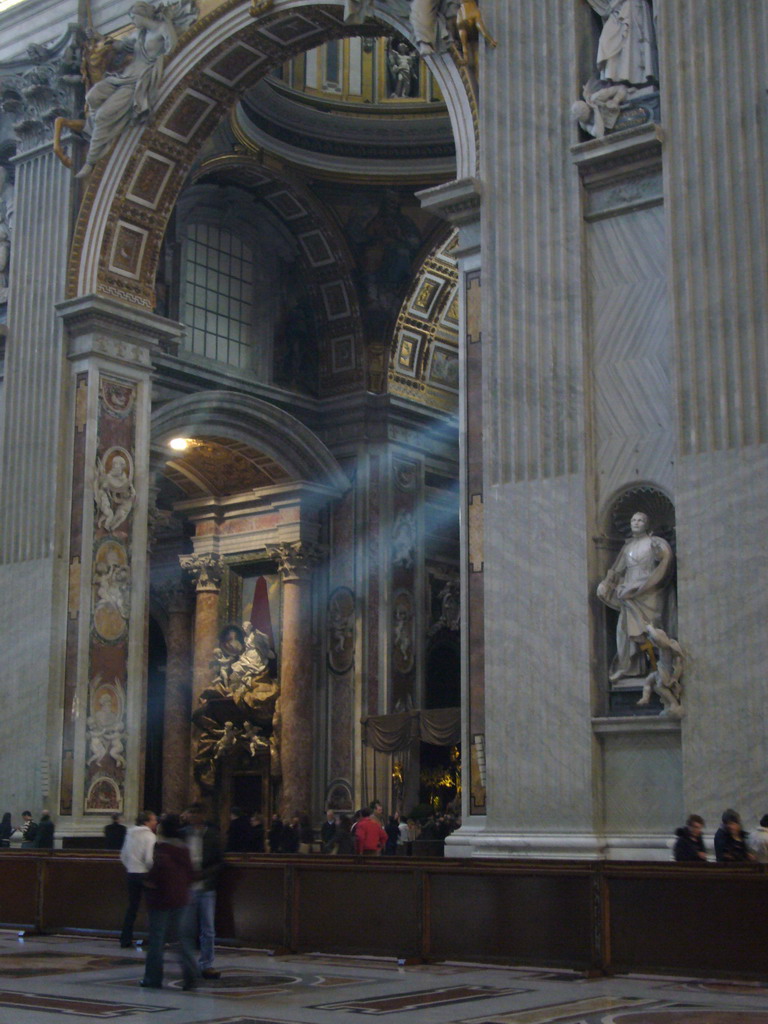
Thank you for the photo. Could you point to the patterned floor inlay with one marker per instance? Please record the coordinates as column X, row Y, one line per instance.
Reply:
column 73, row 1007
column 625, row 1011
column 31, row 965
column 421, row 1000
column 581, row 1010
column 728, row 988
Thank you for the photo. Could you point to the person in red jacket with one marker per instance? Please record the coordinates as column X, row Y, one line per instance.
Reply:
column 370, row 837
column 167, row 894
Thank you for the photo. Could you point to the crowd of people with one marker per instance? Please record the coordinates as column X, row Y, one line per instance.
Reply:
column 733, row 845
column 173, row 863
column 33, row 835
column 366, row 832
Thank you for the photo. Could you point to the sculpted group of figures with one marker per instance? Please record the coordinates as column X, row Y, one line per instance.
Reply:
column 637, row 586
column 238, row 712
column 627, row 66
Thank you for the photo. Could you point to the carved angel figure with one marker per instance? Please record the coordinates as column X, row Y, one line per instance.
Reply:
column 667, row 661
column 127, row 97
column 113, row 492
column 105, row 733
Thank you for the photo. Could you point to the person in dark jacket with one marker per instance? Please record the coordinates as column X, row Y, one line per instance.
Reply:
column 6, row 831
column 689, row 845
column 257, row 824
column 343, row 842
column 731, row 840
column 204, row 844
column 240, row 833
column 44, row 836
column 114, row 833
column 275, row 835
column 291, row 837
column 392, row 828
column 168, row 885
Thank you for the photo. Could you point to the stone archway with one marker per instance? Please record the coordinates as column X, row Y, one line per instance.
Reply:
column 262, row 504
column 124, row 214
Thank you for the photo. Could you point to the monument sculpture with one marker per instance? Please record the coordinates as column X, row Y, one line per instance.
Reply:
column 637, row 586
column 237, row 711
column 123, row 76
column 6, row 207
column 624, row 91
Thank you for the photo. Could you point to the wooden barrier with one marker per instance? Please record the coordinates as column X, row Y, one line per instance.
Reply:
column 596, row 917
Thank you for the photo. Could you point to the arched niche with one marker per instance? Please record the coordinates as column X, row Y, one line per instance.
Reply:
column 129, row 198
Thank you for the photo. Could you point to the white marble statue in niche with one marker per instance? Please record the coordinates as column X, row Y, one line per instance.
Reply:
column 637, row 587
column 128, row 96
column 627, row 69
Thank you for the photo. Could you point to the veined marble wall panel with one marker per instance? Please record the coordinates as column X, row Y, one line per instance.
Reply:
column 34, row 359
column 723, row 610
column 531, row 244
column 25, row 598
column 642, row 782
column 539, row 746
column 634, row 421
column 716, row 188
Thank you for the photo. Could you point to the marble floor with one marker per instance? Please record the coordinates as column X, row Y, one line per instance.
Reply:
column 47, row 979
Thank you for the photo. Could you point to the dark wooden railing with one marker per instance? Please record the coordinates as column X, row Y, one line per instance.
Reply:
column 596, row 917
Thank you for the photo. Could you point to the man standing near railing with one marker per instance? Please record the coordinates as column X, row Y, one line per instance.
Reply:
column 136, row 854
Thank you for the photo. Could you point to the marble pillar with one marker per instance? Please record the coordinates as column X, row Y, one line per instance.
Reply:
column 716, row 198
column 459, row 203
column 206, row 571
column 177, row 711
column 33, row 487
column 102, row 705
column 296, row 705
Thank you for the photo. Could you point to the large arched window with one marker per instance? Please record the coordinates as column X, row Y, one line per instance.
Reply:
column 217, row 294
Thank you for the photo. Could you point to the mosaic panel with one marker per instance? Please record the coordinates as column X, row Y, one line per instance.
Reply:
column 128, row 250
column 150, row 179
column 235, row 63
column 187, row 115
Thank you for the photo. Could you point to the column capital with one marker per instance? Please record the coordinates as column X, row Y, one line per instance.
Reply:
column 44, row 84
column 296, row 561
column 206, row 571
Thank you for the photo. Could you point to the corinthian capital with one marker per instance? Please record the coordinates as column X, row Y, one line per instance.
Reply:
column 296, row 561
column 206, row 570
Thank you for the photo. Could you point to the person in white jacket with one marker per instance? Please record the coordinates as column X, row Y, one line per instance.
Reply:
column 137, row 854
column 757, row 841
